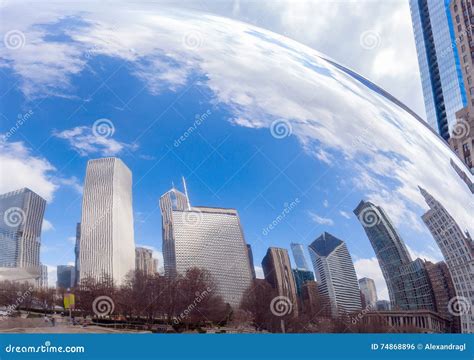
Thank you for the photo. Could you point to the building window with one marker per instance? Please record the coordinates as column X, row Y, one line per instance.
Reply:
column 458, row 20
column 463, row 48
column 469, row 80
column 464, row 58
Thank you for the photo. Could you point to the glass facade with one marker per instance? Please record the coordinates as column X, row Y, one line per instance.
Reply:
column 298, row 256
column 407, row 281
column 21, row 220
column 440, row 69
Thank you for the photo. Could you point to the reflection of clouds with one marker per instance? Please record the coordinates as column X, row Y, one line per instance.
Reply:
column 260, row 77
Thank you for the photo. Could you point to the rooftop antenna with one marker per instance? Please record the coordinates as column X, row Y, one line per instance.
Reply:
column 172, row 185
column 186, row 193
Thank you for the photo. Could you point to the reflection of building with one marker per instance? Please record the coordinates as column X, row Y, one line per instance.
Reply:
column 462, row 140
column 107, row 246
column 66, row 276
column 463, row 176
column 302, row 276
column 144, row 261
column 172, row 200
column 298, row 255
column 367, row 287
column 407, row 281
column 423, row 321
column 383, row 305
column 76, row 252
column 443, row 290
column 438, row 60
column 335, row 273
column 42, row 281
column 206, row 238
column 250, row 255
column 277, row 270
column 457, row 249
column 21, row 220
column 314, row 303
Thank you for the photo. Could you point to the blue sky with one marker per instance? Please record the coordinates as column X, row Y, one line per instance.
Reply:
column 152, row 74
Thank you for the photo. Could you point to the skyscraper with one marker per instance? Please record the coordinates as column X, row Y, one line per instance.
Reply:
column 106, row 243
column 335, row 273
column 407, row 281
column 144, row 261
column 206, row 238
column 66, row 276
column 277, row 270
column 440, row 70
column 21, row 220
column 443, row 290
column 301, row 277
column 367, row 286
column 298, row 255
column 170, row 201
column 42, row 281
column 457, row 249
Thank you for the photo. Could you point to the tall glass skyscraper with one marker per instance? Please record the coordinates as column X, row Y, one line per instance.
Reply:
column 106, row 245
column 440, row 70
column 21, row 220
column 367, row 287
column 298, row 255
column 335, row 273
column 407, row 281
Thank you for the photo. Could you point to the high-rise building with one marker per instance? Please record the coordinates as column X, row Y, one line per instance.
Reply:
column 462, row 135
column 250, row 255
column 277, row 270
column 170, row 201
column 457, row 249
column 443, row 290
column 207, row 238
column 407, row 281
column 367, row 287
column 440, row 69
column 144, row 261
column 42, row 281
column 106, row 245
column 302, row 276
column 298, row 256
column 335, row 273
column 313, row 302
column 66, row 276
column 76, row 253
column 21, row 220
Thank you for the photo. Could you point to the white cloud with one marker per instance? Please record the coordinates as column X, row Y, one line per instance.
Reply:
column 52, row 275
column 259, row 272
column 71, row 239
column 433, row 255
column 47, row 225
column 320, row 220
column 25, row 170
column 344, row 214
column 85, row 142
column 325, row 203
column 370, row 268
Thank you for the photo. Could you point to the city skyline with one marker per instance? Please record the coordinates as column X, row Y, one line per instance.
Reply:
column 216, row 180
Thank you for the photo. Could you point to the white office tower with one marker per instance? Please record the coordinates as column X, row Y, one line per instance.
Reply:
column 458, row 250
column 205, row 238
column 106, row 243
column 336, row 274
